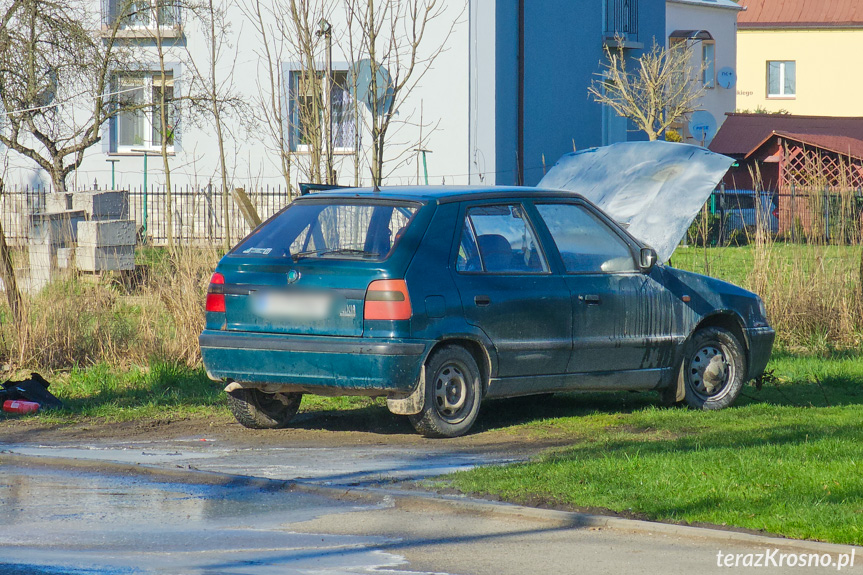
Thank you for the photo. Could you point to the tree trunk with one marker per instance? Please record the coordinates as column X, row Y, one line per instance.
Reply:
column 7, row 274
column 163, row 136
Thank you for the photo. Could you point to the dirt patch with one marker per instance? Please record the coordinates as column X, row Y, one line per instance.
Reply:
column 326, row 429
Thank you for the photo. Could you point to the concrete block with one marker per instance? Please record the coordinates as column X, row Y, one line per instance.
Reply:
column 58, row 202
column 106, row 233
column 109, row 258
column 58, row 229
column 65, row 257
column 43, row 263
column 102, row 205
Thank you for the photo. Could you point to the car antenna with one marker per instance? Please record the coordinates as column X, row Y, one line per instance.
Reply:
column 375, row 187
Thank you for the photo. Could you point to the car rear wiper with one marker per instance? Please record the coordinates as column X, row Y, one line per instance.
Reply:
column 339, row 251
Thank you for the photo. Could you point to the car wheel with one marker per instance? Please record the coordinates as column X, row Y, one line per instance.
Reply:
column 714, row 368
column 452, row 394
column 258, row 410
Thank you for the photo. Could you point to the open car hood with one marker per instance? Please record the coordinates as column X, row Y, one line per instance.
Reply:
column 655, row 189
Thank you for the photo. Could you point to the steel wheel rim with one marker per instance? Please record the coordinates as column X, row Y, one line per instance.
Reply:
column 451, row 390
column 710, row 371
column 270, row 405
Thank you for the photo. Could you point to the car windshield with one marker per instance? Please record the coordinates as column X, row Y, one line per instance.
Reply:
column 340, row 229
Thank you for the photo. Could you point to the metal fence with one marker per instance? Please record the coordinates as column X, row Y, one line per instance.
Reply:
column 728, row 217
column 811, row 216
column 621, row 17
column 198, row 213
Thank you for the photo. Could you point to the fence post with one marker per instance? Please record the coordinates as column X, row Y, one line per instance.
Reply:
column 793, row 214
column 721, row 239
column 826, row 217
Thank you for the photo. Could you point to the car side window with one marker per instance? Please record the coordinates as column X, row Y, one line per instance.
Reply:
column 586, row 243
column 504, row 239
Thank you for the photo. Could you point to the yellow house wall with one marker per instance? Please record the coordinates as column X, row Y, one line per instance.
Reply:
column 827, row 82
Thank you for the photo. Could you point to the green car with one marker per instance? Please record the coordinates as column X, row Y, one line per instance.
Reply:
column 438, row 298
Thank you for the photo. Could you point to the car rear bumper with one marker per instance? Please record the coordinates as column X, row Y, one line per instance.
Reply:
column 760, row 347
column 343, row 364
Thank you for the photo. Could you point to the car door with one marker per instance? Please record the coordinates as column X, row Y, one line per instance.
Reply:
column 622, row 317
column 508, row 290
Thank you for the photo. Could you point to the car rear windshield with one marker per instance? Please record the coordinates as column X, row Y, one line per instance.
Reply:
column 333, row 229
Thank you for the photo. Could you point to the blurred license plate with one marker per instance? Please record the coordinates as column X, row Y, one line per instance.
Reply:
column 298, row 306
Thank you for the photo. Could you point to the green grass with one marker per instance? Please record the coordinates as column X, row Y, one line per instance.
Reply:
column 160, row 391
column 735, row 264
column 788, row 459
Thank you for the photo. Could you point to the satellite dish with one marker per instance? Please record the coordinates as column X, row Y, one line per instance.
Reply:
column 379, row 101
column 47, row 95
column 702, row 126
column 726, row 78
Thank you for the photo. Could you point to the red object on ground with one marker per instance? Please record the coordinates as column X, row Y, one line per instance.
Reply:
column 17, row 406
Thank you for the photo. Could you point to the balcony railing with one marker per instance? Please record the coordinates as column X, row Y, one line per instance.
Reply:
column 141, row 15
column 621, row 18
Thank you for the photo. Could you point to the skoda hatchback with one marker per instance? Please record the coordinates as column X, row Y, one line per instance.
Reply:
column 439, row 298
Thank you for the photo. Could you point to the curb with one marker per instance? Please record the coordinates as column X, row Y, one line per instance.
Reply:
column 412, row 501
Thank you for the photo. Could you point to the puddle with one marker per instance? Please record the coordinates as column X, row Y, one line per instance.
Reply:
column 79, row 523
column 327, row 465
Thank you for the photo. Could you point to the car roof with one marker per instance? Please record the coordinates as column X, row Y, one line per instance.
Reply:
column 443, row 194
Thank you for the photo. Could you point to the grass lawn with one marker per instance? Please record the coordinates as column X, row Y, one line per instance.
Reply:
column 787, row 459
column 735, row 264
column 160, row 391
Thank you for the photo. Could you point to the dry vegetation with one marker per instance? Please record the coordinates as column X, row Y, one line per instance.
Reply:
column 79, row 319
column 809, row 275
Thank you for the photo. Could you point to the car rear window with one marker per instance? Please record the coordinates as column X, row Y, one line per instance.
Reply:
column 345, row 229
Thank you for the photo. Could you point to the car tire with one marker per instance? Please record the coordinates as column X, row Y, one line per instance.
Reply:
column 258, row 410
column 453, row 390
column 713, row 369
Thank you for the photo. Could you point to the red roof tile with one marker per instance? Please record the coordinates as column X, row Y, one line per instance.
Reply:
column 742, row 134
column 843, row 145
column 800, row 13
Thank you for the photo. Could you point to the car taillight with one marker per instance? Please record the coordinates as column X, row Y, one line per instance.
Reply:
column 387, row 300
column 215, row 295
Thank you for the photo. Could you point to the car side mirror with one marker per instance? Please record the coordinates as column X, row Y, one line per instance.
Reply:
column 647, row 259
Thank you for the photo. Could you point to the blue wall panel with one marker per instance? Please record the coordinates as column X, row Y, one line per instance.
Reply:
column 563, row 49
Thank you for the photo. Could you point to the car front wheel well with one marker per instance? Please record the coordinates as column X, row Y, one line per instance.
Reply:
column 728, row 322
column 476, row 349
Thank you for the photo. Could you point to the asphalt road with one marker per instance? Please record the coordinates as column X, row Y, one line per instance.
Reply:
column 97, row 517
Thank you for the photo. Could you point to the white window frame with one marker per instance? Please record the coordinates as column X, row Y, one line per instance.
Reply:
column 708, row 76
column 293, row 73
column 148, row 141
column 152, row 17
column 782, row 66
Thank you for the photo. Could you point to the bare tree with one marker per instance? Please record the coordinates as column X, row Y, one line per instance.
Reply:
column 270, row 104
column 300, row 107
column 7, row 275
column 664, row 88
column 391, row 34
column 211, row 95
column 55, row 69
column 166, row 131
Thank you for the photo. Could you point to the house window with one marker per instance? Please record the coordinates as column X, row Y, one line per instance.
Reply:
column 781, row 79
column 141, row 14
column 139, row 119
column 307, row 94
column 708, row 64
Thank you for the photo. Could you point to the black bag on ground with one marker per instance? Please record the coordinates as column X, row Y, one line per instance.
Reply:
column 33, row 389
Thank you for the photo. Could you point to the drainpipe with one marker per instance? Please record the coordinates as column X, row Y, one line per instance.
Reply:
column 520, row 111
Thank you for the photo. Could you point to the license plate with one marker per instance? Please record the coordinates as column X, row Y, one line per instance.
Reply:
column 292, row 306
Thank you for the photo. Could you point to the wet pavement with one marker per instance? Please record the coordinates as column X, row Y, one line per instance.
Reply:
column 61, row 521
column 99, row 518
column 348, row 465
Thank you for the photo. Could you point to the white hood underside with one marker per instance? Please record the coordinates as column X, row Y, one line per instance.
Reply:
column 654, row 188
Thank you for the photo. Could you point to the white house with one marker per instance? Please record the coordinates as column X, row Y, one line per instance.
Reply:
column 710, row 26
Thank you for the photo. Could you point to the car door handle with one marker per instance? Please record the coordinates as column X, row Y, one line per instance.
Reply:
column 482, row 300
column 590, row 299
